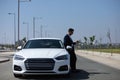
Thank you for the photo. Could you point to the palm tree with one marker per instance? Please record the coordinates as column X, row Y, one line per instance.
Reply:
column 85, row 38
column 109, row 37
column 92, row 39
column 85, row 43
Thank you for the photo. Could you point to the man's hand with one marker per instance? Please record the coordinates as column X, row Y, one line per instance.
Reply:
column 77, row 41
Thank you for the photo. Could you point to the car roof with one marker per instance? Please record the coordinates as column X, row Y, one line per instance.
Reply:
column 45, row 38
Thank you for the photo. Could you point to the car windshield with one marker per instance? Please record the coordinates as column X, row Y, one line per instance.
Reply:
column 43, row 43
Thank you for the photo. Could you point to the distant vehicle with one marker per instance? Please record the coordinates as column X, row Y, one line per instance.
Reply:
column 41, row 56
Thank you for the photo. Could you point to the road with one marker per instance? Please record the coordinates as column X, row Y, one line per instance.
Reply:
column 87, row 70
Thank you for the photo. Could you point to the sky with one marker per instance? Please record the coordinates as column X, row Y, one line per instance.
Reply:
column 87, row 17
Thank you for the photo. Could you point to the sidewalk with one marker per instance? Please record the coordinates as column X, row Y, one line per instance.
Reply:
column 3, row 59
column 103, row 58
column 5, row 56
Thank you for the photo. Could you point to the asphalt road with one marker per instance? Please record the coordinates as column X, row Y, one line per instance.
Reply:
column 87, row 70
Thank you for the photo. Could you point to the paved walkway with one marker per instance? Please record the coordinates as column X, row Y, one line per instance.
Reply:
column 4, row 59
column 104, row 58
column 5, row 56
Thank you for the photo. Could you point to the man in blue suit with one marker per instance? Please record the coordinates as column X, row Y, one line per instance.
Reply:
column 69, row 45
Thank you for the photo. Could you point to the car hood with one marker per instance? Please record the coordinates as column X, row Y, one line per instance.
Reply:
column 41, row 53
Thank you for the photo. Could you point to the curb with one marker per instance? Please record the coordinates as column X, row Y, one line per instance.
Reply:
column 4, row 60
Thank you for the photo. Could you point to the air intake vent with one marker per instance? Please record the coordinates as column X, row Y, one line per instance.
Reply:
column 39, row 64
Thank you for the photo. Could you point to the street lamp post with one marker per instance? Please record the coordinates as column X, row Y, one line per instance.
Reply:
column 33, row 27
column 34, row 18
column 19, row 17
column 14, row 26
column 41, row 30
column 27, row 29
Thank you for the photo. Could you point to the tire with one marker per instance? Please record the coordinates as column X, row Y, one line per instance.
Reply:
column 17, row 75
column 66, row 75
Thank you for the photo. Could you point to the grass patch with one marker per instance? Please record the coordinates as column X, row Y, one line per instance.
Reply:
column 106, row 50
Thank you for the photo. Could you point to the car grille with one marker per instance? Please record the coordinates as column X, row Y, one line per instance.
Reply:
column 39, row 64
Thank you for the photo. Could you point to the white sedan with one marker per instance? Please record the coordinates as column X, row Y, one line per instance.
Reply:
column 41, row 56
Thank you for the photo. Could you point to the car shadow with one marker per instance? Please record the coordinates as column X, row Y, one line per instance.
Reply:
column 80, row 74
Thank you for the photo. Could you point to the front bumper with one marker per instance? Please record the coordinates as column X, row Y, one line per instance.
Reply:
column 60, row 67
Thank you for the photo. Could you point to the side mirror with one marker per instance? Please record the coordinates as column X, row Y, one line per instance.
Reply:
column 68, row 47
column 19, row 47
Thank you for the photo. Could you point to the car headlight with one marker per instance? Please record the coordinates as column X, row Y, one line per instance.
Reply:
column 63, row 57
column 18, row 57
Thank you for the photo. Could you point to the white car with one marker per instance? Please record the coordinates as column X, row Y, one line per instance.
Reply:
column 41, row 56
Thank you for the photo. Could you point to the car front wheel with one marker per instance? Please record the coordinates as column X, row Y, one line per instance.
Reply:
column 17, row 75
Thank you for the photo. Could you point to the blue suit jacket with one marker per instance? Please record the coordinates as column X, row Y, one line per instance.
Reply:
column 68, row 42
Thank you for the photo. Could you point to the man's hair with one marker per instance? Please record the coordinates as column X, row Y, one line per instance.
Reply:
column 70, row 29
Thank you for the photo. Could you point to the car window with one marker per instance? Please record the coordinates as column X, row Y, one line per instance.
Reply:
column 44, row 43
